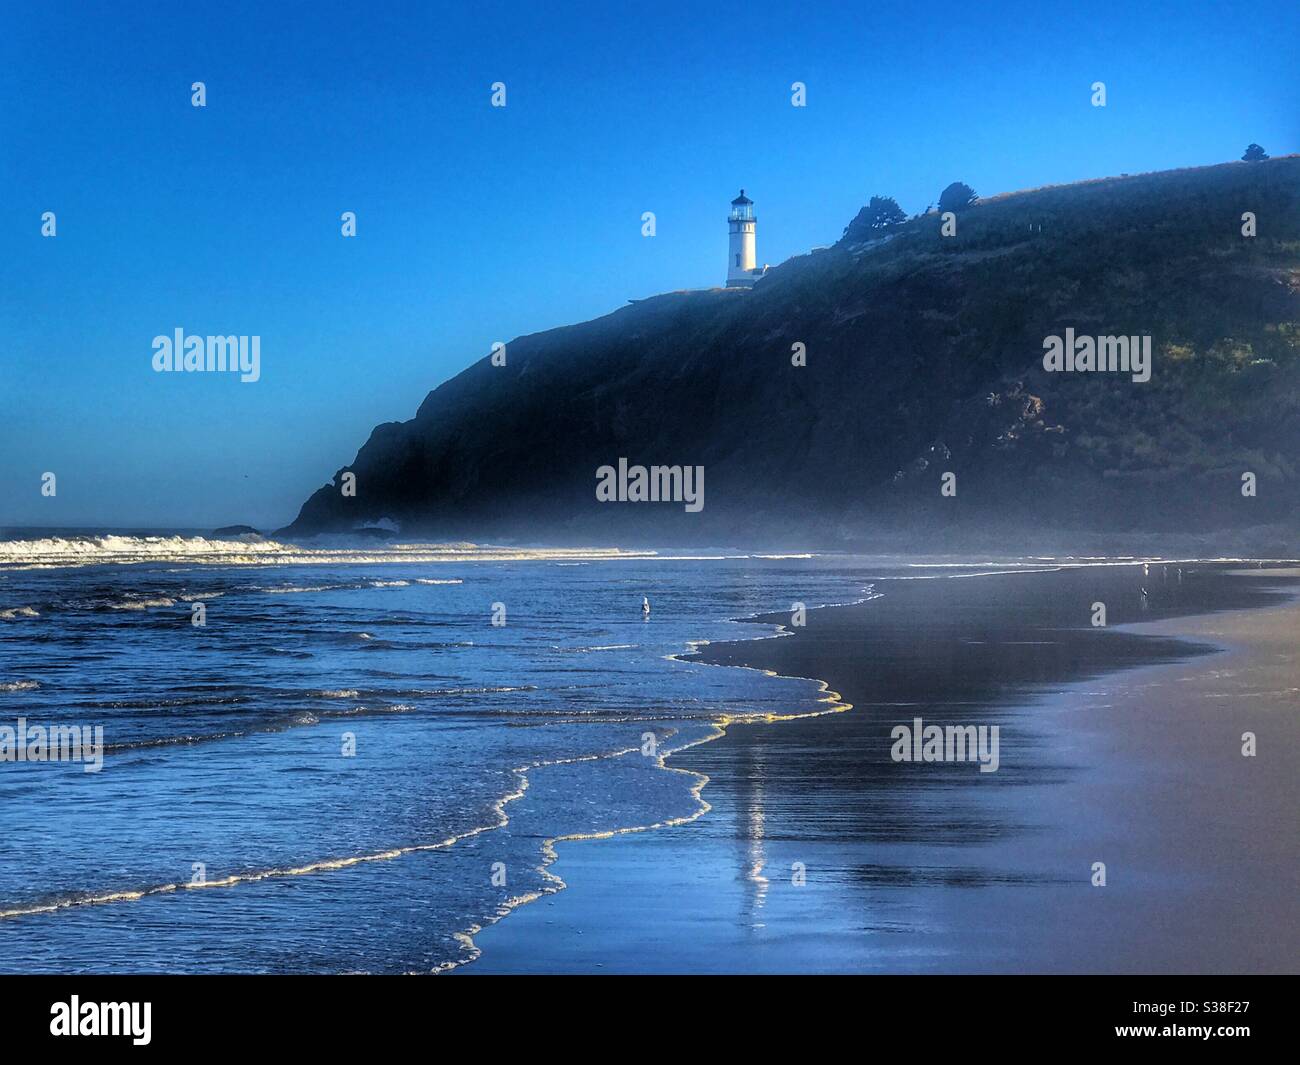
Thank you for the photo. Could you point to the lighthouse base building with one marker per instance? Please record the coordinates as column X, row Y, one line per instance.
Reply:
column 742, row 260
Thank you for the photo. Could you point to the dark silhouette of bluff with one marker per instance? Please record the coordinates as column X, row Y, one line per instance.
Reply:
column 924, row 356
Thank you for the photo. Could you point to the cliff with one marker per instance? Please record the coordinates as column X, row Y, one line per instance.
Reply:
column 924, row 356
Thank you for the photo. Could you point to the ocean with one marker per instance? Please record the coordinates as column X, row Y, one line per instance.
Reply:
column 350, row 768
column 329, row 774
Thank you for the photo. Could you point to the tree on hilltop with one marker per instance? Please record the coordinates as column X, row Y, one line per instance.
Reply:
column 957, row 197
column 881, row 212
column 1254, row 154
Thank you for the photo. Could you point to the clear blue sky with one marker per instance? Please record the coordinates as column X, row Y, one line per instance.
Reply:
column 477, row 223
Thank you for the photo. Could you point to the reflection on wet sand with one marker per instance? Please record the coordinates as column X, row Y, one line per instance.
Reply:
column 750, row 824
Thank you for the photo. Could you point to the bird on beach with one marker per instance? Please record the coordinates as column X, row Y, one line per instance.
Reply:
column 645, row 607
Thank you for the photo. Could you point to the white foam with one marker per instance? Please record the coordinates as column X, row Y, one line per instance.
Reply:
column 141, row 604
column 53, row 552
column 301, row 589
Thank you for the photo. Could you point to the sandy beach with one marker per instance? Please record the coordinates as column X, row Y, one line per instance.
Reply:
column 1120, row 745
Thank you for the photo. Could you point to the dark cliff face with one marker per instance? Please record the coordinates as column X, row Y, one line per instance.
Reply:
column 924, row 356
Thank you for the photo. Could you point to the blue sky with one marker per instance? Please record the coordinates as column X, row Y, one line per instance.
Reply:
column 478, row 224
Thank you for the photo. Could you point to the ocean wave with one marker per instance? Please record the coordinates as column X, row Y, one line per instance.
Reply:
column 137, row 601
column 93, row 550
column 500, row 818
column 420, row 693
column 431, row 580
column 142, row 604
column 395, row 708
column 19, row 612
column 180, row 740
column 58, row 551
column 19, row 686
column 302, row 589
column 492, row 690
column 233, row 699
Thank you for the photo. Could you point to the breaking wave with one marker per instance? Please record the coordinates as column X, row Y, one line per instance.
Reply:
column 54, row 552
column 142, row 604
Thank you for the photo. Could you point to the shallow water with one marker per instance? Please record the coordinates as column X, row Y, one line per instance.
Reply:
column 224, row 743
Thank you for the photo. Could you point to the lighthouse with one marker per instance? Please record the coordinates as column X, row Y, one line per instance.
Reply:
column 742, row 268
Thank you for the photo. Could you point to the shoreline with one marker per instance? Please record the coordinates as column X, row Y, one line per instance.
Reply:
column 931, row 639
column 624, row 873
column 548, row 849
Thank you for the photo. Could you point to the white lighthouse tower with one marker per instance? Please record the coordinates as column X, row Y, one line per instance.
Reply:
column 742, row 268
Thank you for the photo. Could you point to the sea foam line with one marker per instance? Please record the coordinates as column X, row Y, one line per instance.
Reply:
column 834, row 704
column 50, row 552
column 320, row 866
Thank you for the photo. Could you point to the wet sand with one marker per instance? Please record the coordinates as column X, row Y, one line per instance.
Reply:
column 1120, row 745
